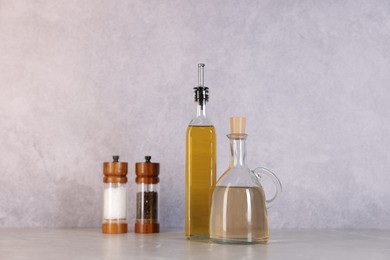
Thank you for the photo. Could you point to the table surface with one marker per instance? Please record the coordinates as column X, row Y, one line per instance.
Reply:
column 284, row 244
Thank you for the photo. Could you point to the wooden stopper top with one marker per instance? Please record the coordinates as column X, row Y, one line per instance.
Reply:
column 147, row 172
column 115, row 172
column 237, row 124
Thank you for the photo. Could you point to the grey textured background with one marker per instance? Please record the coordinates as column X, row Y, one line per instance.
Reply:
column 83, row 80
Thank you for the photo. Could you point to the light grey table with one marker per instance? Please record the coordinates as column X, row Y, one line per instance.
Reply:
column 284, row 244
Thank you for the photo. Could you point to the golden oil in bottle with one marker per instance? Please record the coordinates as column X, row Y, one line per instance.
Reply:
column 200, row 179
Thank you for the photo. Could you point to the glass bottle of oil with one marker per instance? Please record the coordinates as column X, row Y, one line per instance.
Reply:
column 200, row 165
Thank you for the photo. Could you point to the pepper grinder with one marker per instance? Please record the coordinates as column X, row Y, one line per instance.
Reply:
column 147, row 196
column 115, row 193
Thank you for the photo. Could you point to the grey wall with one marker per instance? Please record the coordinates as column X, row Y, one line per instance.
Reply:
column 83, row 80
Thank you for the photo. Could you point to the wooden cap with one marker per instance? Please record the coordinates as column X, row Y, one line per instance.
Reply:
column 147, row 172
column 114, row 228
column 237, row 124
column 115, row 171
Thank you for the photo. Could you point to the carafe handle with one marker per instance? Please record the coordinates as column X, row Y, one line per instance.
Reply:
column 259, row 172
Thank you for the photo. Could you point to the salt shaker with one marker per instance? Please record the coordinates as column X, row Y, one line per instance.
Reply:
column 115, row 193
column 147, row 196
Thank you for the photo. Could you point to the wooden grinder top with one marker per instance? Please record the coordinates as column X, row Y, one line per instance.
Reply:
column 115, row 172
column 147, row 172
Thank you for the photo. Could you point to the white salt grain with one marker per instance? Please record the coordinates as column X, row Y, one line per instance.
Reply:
column 115, row 203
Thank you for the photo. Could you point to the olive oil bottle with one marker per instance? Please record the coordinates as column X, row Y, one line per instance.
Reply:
column 200, row 165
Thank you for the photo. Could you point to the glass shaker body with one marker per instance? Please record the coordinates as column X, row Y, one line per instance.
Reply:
column 147, row 196
column 147, row 203
column 114, row 209
column 114, row 197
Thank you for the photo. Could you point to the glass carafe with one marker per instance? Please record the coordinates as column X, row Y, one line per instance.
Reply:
column 239, row 207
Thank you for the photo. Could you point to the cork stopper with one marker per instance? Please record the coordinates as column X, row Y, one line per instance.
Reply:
column 237, row 125
column 147, row 172
column 115, row 171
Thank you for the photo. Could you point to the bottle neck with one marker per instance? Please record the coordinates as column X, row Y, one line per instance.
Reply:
column 200, row 110
column 238, row 150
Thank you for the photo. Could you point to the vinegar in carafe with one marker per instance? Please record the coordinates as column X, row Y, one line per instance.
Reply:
column 238, row 215
column 238, row 208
